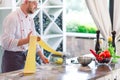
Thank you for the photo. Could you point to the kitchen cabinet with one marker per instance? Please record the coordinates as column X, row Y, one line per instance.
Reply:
column 48, row 20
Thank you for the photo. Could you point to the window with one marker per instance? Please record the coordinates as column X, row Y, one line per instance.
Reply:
column 78, row 18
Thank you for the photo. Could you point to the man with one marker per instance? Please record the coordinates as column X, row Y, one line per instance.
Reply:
column 17, row 28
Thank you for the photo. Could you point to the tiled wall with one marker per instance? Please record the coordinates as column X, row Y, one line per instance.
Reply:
column 81, row 46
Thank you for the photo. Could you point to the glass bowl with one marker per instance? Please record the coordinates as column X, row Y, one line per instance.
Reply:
column 104, row 61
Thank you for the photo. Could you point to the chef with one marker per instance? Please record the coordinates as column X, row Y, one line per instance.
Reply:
column 17, row 28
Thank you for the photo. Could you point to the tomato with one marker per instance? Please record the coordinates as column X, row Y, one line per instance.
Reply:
column 102, row 54
column 108, row 55
column 99, row 58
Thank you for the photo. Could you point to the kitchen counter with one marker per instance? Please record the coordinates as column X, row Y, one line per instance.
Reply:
column 71, row 71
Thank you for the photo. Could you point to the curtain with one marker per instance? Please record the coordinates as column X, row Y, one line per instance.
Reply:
column 116, row 19
column 100, row 13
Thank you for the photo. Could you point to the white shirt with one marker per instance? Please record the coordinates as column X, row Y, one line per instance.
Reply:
column 16, row 26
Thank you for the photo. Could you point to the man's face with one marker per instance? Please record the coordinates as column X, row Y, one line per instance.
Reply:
column 32, row 7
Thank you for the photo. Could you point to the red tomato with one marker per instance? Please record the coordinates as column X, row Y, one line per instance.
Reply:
column 102, row 54
column 108, row 55
column 99, row 58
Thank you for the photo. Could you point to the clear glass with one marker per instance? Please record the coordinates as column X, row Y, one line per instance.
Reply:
column 109, row 60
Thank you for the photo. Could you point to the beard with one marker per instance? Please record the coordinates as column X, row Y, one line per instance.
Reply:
column 31, row 10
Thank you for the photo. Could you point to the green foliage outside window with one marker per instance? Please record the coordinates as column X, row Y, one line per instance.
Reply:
column 76, row 27
column 78, row 18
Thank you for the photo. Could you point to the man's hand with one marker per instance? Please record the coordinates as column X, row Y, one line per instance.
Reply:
column 44, row 59
column 28, row 37
column 24, row 40
column 38, row 38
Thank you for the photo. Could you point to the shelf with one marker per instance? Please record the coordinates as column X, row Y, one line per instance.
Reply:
column 53, row 6
column 60, row 47
column 53, row 12
column 53, row 29
column 52, row 36
column 54, row 42
column 46, row 21
column 59, row 21
column 53, row 3
column 37, row 23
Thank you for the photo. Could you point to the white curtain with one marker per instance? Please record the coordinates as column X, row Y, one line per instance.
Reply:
column 116, row 19
column 100, row 13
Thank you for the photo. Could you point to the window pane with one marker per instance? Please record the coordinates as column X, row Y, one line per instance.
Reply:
column 78, row 18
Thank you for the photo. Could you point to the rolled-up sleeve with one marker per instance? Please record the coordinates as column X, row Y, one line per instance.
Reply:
column 8, row 38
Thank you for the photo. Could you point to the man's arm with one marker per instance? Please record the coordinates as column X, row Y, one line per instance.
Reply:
column 42, row 57
column 25, row 40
